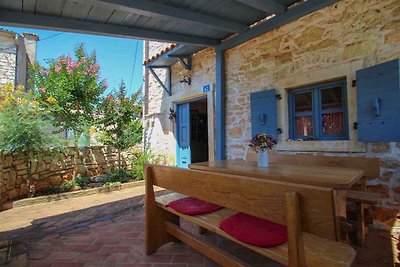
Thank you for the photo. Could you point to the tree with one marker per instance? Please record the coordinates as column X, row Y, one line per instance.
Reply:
column 24, row 128
column 121, row 124
column 71, row 90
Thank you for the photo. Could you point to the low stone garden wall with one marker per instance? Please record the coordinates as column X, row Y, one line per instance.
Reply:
column 52, row 171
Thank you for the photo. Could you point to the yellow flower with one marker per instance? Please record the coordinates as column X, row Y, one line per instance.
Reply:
column 3, row 105
column 51, row 100
column 8, row 87
column 24, row 101
column 20, row 87
column 34, row 103
column 9, row 98
column 92, row 130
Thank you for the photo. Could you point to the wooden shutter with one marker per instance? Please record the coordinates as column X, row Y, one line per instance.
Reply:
column 183, row 125
column 378, row 102
column 263, row 112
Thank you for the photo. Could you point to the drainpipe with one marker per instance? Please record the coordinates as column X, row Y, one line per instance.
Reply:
column 220, row 105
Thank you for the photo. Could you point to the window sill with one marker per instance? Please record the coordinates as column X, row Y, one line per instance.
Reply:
column 322, row 146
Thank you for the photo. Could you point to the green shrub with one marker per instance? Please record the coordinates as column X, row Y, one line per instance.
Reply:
column 67, row 186
column 110, row 184
column 82, row 181
column 118, row 175
column 62, row 188
column 143, row 158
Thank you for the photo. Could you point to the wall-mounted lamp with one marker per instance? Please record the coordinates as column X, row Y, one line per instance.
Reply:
column 172, row 114
column 186, row 79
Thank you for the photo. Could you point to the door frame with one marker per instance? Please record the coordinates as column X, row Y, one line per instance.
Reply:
column 210, row 121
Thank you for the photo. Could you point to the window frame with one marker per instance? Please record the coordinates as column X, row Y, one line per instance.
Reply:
column 317, row 111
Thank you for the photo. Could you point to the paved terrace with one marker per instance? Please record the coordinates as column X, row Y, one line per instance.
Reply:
column 108, row 230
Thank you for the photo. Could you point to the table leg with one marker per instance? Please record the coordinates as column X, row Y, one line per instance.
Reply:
column 339, row 197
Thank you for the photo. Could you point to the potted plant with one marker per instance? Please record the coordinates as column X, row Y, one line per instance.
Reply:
column 261, row 143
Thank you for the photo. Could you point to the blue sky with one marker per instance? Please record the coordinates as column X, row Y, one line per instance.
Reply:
column 115, row 55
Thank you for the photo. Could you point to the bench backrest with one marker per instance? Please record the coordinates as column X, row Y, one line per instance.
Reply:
column 369, row 165
column 258, row 197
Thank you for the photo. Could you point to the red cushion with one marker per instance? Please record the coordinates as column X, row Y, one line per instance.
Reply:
column 193, row 206
column 254, row 231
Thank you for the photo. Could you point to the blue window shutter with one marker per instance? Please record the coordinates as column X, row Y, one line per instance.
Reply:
column 184, row 125
column 378, row 102
column 263, row 112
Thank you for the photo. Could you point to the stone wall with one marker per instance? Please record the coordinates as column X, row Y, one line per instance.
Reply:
column 8, row 59
column 52, row 171
column 332, row 43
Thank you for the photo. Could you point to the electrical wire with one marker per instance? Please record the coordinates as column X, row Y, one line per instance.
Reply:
column 134, row 65
column 52, row 36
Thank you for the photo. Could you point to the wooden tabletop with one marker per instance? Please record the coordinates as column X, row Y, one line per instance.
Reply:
column 332, row 177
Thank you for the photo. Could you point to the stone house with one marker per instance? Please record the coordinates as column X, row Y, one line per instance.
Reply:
column 16, row 52
column 313, row 64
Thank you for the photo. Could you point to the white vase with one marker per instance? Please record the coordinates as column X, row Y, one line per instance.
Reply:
column 262, row 159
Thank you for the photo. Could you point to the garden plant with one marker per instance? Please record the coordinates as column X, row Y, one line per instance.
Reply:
column 120, row 124
column 25, row 129
column 70, row 89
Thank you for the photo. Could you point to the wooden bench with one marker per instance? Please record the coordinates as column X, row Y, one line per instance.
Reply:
column 311, row 224
column 362, row 199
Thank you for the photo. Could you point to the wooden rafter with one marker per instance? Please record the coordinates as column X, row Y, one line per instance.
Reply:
column 11, row 18
column 149, row 8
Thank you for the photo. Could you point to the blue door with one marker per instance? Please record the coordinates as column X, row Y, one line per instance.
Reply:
column 183, row 135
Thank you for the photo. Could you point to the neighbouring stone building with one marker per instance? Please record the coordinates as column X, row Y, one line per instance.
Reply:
column 16, row 52
column 328, row 45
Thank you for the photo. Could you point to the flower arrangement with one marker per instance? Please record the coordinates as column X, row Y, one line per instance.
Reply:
column 262, row 142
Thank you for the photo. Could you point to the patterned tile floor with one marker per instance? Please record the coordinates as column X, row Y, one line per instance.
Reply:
column 108, row 230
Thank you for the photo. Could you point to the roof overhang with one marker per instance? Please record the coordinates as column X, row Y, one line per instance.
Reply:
column 208, row 23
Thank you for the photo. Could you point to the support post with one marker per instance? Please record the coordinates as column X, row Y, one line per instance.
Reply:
column 187, row 65
column 168, row 87
column 220, row 105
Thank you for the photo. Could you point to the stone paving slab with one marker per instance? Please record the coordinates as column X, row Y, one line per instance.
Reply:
column 109, row 231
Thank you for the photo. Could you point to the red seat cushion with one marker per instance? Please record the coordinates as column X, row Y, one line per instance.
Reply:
column 254, row 231
column 193, row 206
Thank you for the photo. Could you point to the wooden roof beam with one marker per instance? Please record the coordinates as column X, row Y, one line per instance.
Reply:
column 153, row 9
column 18, row 19
column 268, row 6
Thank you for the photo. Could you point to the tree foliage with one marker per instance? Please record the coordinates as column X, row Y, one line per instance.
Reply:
column 70, row 89
column 121, row 125
column 25, row 127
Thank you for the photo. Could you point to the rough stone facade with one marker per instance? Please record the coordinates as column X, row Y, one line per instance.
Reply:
column 332, row 43
column 53, row 171
column 16, row 52
column 159, row 131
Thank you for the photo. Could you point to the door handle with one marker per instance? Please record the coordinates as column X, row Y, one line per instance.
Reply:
column 377, row 107
column 262, row 118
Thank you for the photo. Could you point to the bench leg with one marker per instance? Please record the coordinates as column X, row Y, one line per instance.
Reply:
column 156, row 235
column 155, row 218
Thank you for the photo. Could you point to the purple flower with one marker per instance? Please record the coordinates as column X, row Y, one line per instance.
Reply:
column 263, row 141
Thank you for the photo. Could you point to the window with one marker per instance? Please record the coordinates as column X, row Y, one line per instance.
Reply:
column 319, row 112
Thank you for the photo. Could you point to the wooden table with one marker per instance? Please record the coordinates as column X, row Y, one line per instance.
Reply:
column 332, row 177
column 338, row 179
